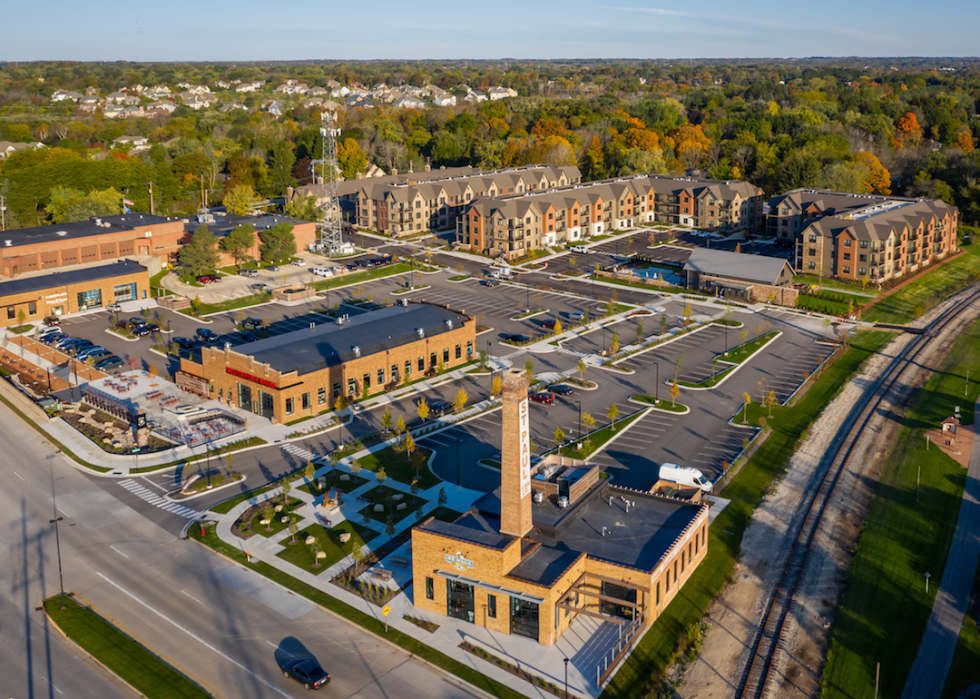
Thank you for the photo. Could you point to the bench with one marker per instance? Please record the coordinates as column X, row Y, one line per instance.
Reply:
column 382, row 574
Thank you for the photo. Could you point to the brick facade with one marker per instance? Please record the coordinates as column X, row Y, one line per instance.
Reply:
column 515, row 456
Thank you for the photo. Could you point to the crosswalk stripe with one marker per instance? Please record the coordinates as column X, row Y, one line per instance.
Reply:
column 152, row 498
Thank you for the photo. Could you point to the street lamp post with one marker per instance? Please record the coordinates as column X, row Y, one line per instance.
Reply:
column 657, row 396
column 566, row 678
column 207, row 447
column 61, row 577
column 579, row 404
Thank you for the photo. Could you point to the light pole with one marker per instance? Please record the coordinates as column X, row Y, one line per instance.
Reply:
column 579, row 404
column 566, row 678
column 657, row 396
column 61, row 577
column 207, row 447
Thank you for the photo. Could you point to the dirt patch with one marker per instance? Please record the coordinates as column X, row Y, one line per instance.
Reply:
column 734, row 616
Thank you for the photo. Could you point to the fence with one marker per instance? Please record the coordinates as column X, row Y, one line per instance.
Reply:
column 610, row 659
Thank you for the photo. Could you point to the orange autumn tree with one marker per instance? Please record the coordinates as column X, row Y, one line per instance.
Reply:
column 879, row 179
column 691, row 145
column 908, row 132
column 964, row 141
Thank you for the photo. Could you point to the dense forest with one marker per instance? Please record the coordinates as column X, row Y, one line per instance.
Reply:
column 898, row 126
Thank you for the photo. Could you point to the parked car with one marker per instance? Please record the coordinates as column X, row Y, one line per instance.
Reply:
column 548, row 323
column 440, row 408
column 52, row 320
column 272, row 268
column 136, row 322
column 84, row 353
column 206, row 335
column 153, row 327
column 581, row 249
column 577, row 316
column 97, row 357
column 307, row 672
column 561, row 389
column 66, row 342
column 490, row 282
column 352, row 266
column 517, row 337
column 322, row 272
column 208, row 279
column 298, row 263
column 44, row 332
column 184, row 343
column 80, row 346
column 252, row 324
column 544, row 397
column 141, row 330
column 114, row 308
column 248, row 336
column 249, row 272
column 53, row 338
column 109, row 364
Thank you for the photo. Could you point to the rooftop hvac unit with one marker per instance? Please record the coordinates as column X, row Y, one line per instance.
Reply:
column 62, row 233
column 420, row 332
column 563, row 501
column 449, row 324
column 405, row 302
column 356, row 350
column 340, row 320
column 538, row 496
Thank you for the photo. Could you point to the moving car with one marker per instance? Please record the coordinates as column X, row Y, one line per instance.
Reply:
column 561, row 389
column 307, row 672
column 440, row 408
column 322, row 271
column 581, row 249
column 184, row 343
column 206, row 335
column 685, row 475
column 545, row 397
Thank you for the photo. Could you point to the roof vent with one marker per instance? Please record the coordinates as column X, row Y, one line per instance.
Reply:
column 9, row 242
column 449, row 324
column 356, row 350
column 420, row 332
column 405, row 302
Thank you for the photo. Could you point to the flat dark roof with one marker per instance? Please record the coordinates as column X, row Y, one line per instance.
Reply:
column 224, row 222
column 72, row 276
column 79, row 229
column 328, row 344
column 469, row 528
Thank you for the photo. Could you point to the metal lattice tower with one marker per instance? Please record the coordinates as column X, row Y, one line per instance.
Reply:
column 329, row 237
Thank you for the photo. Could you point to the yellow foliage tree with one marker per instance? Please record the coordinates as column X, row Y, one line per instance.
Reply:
column 964, row 141
column 879, row 179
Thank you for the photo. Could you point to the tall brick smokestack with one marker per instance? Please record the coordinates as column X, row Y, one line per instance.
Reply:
column 515, row 457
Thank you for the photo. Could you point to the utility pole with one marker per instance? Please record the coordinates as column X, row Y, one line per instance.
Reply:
column 152, row 211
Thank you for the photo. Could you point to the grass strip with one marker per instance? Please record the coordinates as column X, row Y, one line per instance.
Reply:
column 885, row 609
column 359, row 277
column 369, row 623
column 662, row 404
column 205, row 309
column 964, row 671
column 598, row 438
column 134, row 663
column 668, row 637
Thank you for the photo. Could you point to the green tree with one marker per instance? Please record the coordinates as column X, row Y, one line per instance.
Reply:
column 351, row 159
column 239, row 242
column 315, row 550
column 278, row 243
column 305, row 208
column 67, row 204
column 612, row 415
column 200, row 255
column 581, row 369
column 593, row 161
column 381, row 475
column 340, row 403
column 408, row 444
column 281, row 167
column 495, row 385
column 400, row 425
column 310, row 471
column 559, row 437
column 386, row 420
column 588, row 421
column 240, row 199
column 529, row 368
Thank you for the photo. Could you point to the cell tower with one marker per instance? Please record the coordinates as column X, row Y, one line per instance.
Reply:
column 329, row 237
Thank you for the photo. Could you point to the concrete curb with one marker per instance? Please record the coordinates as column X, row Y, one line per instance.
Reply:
column 203, row 492
column 734, row 366
column 687, row 409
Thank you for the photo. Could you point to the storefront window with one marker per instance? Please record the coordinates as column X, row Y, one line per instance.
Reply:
column 289, row 406
column 306, row 401
column 89, row 299
column 124, row 292
column 618, row 592
column 524, row 618
column 244, row 397
column 460, row 601
column 321, row 396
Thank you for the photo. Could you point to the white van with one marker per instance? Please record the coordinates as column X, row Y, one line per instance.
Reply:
column 322, row 271
column 580, row 249
column 685, row 475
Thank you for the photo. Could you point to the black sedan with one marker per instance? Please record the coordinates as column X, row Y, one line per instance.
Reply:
column 517, row 338
column 561, row 389
column 307, row 672
column 490, row 282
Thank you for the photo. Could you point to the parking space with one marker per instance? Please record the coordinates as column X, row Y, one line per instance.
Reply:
column 630, row 330
column 716, row 454
column 799, row 360
column 694, row 351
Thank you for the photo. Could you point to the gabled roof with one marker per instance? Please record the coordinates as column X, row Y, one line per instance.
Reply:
column 757, row 268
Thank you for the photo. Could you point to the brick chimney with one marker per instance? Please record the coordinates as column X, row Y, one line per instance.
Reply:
column 515, row 457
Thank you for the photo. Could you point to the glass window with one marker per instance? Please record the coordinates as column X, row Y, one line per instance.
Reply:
column 422, row 364
column 11, row 313
column 492, row 606
column 32, row 308
column 321, row 396
column 432, row 359
column 469, row 348
column 658, row 594
column 394, row 373
column 408, row 368
column 445, row 356
column 351, row 387
column 366, row 382
column 429, row 589
column 336, row 390
column 459, row 351
column 306, row 401
column 381, row 377
column 89, row 299
column 124, row 292
column 523, row 618
column 289, row 406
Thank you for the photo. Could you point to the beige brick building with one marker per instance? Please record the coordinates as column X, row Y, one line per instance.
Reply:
column 555, row 542
column 512, row 225
column 301, row 373
column 862, row 237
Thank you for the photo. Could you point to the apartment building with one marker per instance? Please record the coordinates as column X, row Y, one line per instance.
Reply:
column 511, row 225
column 434, row 203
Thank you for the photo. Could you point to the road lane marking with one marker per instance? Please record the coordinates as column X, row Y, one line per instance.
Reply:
column 192, row 635
column 192, row 596
column 18, row 475
column 118, row 551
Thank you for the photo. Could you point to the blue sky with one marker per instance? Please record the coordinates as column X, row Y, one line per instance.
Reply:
column 249, row 30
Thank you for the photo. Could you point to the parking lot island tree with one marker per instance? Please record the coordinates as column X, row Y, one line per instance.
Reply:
column 495, row 385
column 459, row 402
column 559, row 437
column 386, row 419
column 423, row 409
column 612, row 414
column 675, row 390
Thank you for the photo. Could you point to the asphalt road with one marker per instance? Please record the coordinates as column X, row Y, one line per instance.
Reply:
column 222, row 625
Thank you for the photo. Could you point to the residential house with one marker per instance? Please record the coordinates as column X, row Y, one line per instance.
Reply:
column 444, row 100
column 65, row 95
column 89, row 103
column 116, row 97
column 499, row 93
column 317, row 91
column 222, row 85
column 232, row 106
column 133, row 143
column 340, row 91
column 409, row 102
column 274, row 107
column 476, row 96
column 250, row 86
column 161, row 107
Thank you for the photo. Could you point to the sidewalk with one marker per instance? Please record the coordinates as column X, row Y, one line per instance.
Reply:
column 583, row 645
column 928, row 674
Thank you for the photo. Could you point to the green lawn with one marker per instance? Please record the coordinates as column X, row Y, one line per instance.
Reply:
column 912, row 301
column 829, row 304
column 359, row 277
column 398, row 466
column 827, row 283
column 884, row 611
column 644, row 669
column 370, row 623
column 664, row 404
column 204, row 309
column 223, row 508
column 333, row 481
column 965, row 668
column 134, row 663
column 276, row 525
column 301, row 555
column 380, row 495
column 21, row 329
column 600, row 437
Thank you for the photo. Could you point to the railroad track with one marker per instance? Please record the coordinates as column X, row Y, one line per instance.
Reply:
column 757, row 678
